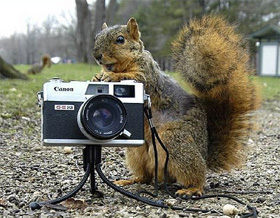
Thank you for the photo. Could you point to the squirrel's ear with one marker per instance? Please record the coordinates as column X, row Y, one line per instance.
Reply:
column 104, row 26
column 132, row 28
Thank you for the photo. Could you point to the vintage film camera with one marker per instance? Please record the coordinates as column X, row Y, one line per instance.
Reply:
column 92, row 113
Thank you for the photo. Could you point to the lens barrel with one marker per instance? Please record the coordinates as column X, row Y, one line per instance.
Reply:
column 102, row 117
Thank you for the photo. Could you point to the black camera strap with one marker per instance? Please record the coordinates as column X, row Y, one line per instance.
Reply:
column 149, row 116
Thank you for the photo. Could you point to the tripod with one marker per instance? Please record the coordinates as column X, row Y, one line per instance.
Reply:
column 91, row 157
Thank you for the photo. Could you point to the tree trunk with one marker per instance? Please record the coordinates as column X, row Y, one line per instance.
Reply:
column 100, row 13
column 111, row 12
column 8, row 71
column 83, row 29
column 99, row 19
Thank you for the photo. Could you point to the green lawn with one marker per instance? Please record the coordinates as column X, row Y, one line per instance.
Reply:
column 270, row 86
column 66, row 72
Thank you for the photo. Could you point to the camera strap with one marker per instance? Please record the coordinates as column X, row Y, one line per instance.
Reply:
column 149, row 116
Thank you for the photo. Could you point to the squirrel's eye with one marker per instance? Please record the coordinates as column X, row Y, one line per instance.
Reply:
column 120, row 40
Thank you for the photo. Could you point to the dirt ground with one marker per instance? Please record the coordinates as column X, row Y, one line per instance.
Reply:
column 30, row 172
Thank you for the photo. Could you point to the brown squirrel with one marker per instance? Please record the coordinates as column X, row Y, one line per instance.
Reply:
column 207, row 129
column 37, row 68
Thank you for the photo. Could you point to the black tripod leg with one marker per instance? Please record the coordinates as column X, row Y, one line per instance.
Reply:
column 92, row 156
column 38, row 205
column 93, row 187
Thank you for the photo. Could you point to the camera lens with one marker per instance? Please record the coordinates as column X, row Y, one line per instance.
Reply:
column 102, row 117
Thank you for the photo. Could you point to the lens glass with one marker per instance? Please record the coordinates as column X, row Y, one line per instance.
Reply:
column 103, row 116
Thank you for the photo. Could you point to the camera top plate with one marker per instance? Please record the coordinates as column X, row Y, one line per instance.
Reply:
column 79, row 91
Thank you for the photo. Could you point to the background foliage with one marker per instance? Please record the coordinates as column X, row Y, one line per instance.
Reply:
column 159, row 22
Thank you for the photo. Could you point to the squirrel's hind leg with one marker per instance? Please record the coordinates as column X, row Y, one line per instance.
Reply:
column 137, row 161
column 189, row 170
column 187, row 146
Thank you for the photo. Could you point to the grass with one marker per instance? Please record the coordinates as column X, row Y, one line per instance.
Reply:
column 270, row 86
column 179, row 79
column 66, row 72
column 18, row 97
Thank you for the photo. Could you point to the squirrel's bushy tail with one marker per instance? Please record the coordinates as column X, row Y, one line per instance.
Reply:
column 213, row 60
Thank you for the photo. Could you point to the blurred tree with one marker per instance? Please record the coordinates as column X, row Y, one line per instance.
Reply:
column 99, row 19
column 159, row 21
column 47, row 35
column 127, row 9
column 111, row 12
column 31, row 42
column 249, row 15
column 83, row 29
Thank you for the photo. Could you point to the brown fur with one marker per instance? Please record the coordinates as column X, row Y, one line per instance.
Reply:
column 37, row 68
column 207, row 129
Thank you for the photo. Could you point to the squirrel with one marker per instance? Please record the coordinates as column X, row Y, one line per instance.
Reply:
column 37, row 68
column 205, row 129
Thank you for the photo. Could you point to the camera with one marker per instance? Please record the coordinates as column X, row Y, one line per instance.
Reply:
column 92, row 113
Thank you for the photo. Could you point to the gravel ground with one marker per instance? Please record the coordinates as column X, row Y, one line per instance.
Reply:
column 30, row 172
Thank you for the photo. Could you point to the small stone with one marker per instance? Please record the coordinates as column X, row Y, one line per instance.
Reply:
column 170, row 201
column 26, row 118
column 214, row 185
column 88, row 209
column 260, row 200
column 35, row 196
column 13, row 89
column 229, row 209
column 67, row 150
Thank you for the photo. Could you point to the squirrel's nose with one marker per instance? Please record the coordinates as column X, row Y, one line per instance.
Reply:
column 98, row 58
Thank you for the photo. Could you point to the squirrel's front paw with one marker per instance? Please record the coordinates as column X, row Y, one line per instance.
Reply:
column 114, row 77
column 97, row 77
column 105, row 77
column 117, row 77
column 109, row 77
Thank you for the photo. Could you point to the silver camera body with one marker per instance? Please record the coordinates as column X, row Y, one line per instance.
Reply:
column 92, row 113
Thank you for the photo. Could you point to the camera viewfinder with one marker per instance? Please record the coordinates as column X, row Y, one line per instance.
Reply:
column 94, row 89
column 124, row 91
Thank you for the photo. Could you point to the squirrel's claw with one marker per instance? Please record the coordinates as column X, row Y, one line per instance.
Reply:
column 96, row 78
column 124, row 182
column 117, row 77
column 106, row 77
